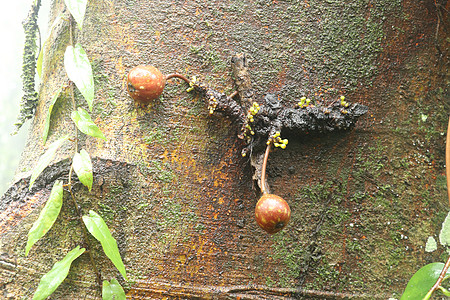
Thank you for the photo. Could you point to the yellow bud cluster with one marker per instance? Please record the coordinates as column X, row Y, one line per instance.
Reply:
column 249, row 129
column 277, row 141
column 192, row 83
column 255, row 108
column 212, row 105
column 304, row 102
column 343, row 102
column 253, row 111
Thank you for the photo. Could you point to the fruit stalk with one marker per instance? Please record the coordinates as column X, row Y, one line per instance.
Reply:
column 176, row 75
column 272, row 213
column 263, row 170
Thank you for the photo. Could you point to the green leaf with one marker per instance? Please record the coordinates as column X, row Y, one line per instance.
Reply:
column 47, row 217
column 82, row 166
column 85, row 124
column 113, row 290
column 79, row 70
column 422, row 281
column 431, row 244
column 77, row 9
column 46, row 158
column 49, row 112
column 50, row 281
column 98, row 228
column 444, row 235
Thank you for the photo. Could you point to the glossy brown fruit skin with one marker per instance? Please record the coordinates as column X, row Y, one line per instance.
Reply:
column 272, row 213
column 145, row 83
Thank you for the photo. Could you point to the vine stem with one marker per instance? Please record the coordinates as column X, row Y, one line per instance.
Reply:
column 264, row 167
column 85, row 233
column 69, row 186
column 440, row 279
column 447, row 172
column 176, row 75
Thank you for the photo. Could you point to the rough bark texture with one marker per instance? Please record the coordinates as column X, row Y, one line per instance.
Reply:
column 172, row 184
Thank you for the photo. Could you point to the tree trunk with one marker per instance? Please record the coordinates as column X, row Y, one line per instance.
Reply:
column 171, row 182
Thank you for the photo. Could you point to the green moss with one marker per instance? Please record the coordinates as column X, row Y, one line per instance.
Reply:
column 353, row 246
column 370, row 161
column 270, row 282
column 293, row 255
column 104, row 87
column 337, row 43
column 199, row 227
column 337, row 215
column 173, row 220
column 311, row 46
column 161, row 135
column 326, row 272
column 295, row 249
column 236, row 7
column 156, row 135
column 441, row 182
column 162, row 171
column 158, row 171
column 115, row 190
column 367, row 204
column 170, row 215
column 142, row 205
column 106, row 212
column 214, row 62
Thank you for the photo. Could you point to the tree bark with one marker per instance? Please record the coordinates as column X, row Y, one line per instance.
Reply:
column 171, row 182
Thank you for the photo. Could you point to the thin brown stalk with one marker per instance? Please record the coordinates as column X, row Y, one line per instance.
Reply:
column 234, row 94
column 441, row 277
column 264, row 167
column 176, row 75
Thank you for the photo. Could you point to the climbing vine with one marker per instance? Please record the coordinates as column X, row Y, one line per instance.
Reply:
column 79, row 72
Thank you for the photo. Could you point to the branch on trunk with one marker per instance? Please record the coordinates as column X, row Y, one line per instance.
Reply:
column 261, row 121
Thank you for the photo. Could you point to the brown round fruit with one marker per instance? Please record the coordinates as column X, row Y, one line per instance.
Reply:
column 145, row 83
column 272, row 213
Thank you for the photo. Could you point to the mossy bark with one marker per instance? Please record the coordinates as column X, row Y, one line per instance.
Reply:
column 173, row 187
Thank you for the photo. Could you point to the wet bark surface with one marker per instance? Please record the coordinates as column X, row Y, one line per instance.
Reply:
column 172, row 184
